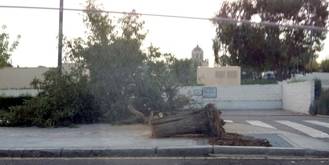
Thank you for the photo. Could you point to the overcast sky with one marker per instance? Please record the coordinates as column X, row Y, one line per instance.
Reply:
column 39, row 28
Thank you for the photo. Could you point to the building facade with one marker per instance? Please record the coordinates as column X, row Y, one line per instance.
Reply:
column 197, row 57
column 228, row 75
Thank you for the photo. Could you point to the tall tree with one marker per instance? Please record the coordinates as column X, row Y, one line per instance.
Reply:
column 325, row 65
column 6, row 48
column 124, row 80
column 272, row 48
column 185, row 71
column 215, row 48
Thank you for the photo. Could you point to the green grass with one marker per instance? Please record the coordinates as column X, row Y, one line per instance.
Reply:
column 295, row 81
column 260, row 81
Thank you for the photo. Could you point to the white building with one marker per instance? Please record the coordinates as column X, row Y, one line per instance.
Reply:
column 227, row 75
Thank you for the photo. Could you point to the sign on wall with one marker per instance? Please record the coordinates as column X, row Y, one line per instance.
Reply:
column 197, row 92
column 209, row 92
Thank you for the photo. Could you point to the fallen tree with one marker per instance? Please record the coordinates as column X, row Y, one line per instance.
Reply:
column 206, row 121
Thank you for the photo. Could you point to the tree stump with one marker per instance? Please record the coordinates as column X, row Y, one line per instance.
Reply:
column 205, row 121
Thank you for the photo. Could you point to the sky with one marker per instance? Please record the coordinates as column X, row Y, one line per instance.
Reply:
column 39, row 28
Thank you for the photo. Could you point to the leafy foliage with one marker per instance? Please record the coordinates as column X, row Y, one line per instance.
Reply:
column 323, row 103
column 121, row 74
column 321, row 99
column 281, row 49
column 112, row 79
column 258, row 81
column 6, row 102
column 325, row 65
column 317, row 89
column 6, row 48
column 312, row 66
column 63, row 100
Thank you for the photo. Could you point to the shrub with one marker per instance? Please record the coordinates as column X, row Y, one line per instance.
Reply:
column 258, row 81
column 63, row 100
column 314, row 108
column 325, row 65
column 323, row 103
column 317, row 88
column 6, row 102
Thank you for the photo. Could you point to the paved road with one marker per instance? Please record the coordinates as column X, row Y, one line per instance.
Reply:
column 223, row 160
column 311, row 126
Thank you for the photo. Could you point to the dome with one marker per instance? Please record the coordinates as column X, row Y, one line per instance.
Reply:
column 197, row 49
column 197, row 57
column 197, row 53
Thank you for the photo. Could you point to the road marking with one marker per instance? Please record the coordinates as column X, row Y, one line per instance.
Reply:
column 228, row 121
column 323, row 124
column 259, row 124
column 305, row 129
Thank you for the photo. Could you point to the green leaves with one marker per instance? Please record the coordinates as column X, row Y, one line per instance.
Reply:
column 120, row 73
column 6, row 48
column 132, row 27
column 284, row 50
column 325, row 65
column 63, row 100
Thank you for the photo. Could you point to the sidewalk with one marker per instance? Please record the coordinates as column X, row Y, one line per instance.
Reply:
column 86, row 136
column 294, row 140
column 134, row 140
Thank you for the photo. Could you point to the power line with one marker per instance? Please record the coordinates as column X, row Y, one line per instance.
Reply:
column 214, row 19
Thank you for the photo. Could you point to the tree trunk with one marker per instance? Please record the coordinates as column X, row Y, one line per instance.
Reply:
column 205, row 121
column 138, row 114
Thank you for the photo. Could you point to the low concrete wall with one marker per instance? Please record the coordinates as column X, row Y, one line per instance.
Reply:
column 20, row 78
column 18, row 92
column 236, row 97
column 323, row 76
column 298, row 97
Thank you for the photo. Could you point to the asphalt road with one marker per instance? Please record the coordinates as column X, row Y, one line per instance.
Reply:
column 223, row 160
column 312, row 126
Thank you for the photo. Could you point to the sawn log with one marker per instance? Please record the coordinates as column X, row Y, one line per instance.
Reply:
column 204, row 121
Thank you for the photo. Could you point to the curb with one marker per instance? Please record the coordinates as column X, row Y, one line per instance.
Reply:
column 174, row 151
column 270, row 151
column 322, row 116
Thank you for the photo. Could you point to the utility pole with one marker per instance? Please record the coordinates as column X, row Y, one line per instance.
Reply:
column 60, row 36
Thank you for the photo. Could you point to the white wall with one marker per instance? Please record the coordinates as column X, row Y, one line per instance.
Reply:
column 19, row 78
column 18, row 92
column 323, row 76
column 298, row 97
column 240, row 97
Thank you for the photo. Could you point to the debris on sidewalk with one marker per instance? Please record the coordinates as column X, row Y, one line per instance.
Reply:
column 206, row 121
column 232, row 139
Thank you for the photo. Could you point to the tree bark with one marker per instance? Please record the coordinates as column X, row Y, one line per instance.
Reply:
column 205, row 121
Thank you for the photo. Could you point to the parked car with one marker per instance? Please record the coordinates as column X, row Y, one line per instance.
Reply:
column 268, row 75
